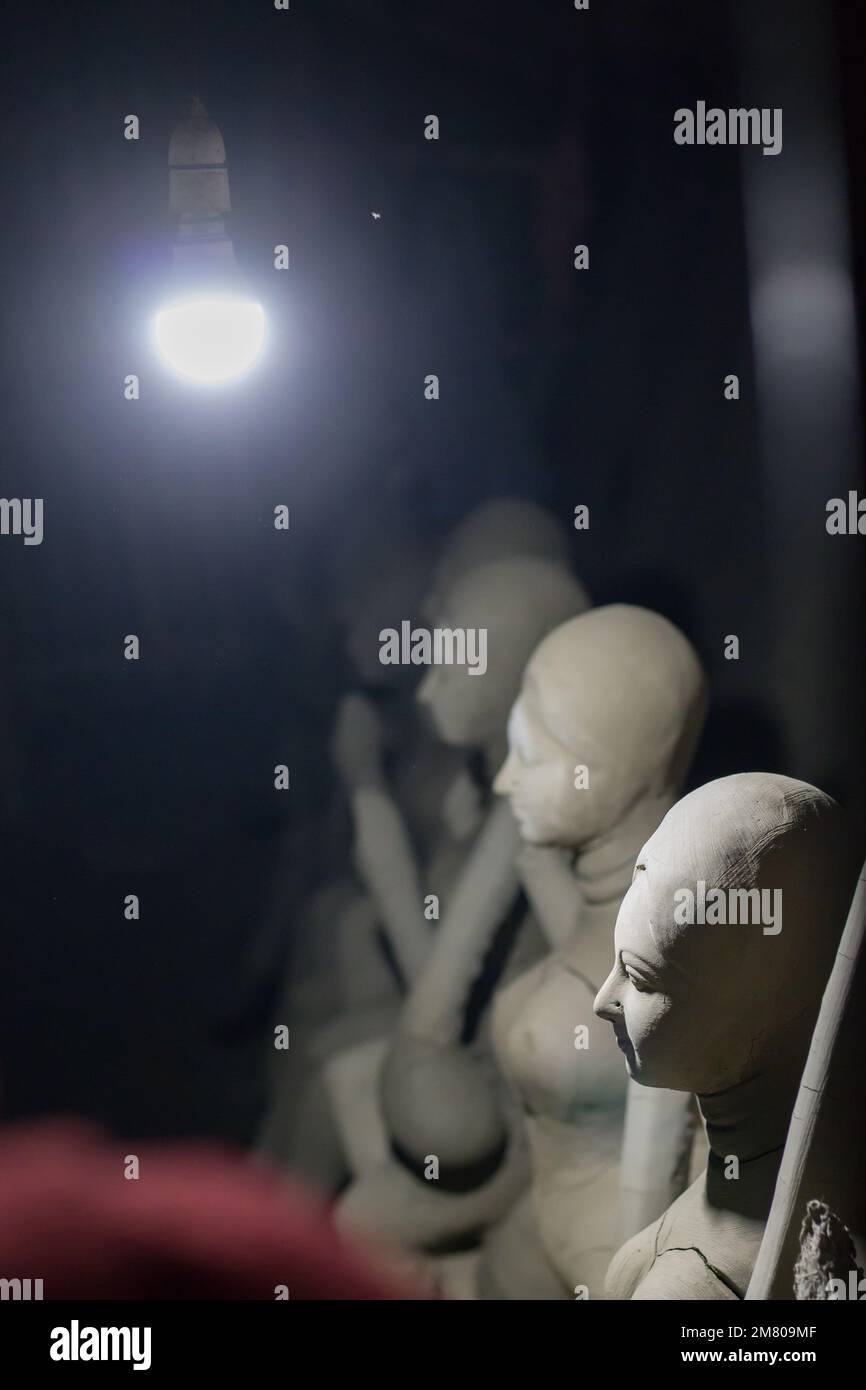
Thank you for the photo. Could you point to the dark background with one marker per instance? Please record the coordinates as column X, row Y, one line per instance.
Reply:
column 605, row 388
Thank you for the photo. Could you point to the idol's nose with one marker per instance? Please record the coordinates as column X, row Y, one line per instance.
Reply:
column 506, row 778
column 607, row 1003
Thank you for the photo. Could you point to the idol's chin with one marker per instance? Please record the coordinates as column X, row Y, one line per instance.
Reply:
column 531, row 834
column 639, row 1073
column 527, row 834
column 632, row 1065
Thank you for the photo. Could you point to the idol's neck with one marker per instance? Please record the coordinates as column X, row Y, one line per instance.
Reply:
column 747, row 1124
column 604, row 866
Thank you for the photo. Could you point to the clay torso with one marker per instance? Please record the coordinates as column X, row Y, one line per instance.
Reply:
column 568, row 1075
column 695, row 1251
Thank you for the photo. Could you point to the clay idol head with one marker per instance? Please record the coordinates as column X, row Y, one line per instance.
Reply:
column 500, row 529
column 726, row 936
column 610, row 710
column 512, row 603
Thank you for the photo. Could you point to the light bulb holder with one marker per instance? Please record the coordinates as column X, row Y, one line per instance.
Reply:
column 198, row 183
column 211, row 329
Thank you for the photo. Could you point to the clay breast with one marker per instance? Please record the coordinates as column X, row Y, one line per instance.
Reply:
column 558, row 1056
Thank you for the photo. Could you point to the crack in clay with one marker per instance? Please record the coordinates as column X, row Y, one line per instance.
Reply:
column 722, row 1278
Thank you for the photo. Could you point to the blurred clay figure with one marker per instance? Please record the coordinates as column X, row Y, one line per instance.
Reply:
column 394, row 772
column 601, row 739
column 458, row 1155
column 415, row 808
column 360, row 936
column 722, row 949
column 500, row 529
column 414, row 804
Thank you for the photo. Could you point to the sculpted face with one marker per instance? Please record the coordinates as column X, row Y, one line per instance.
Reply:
column 696, row 1005
column 538, row 777
column 459, row 706
column 670, row 1022
column 609, row 710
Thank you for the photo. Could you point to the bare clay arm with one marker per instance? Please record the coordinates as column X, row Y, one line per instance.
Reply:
column 386, row 860
column 435, row 1008
column 384, row 852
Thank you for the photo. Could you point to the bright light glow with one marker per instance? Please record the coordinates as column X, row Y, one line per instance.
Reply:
column 210, row 338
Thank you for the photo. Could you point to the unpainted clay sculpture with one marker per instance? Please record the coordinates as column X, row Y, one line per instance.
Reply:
column 388, row 814
column 428, row 801
column 378, row 722
column 413, row 826
column 601, row 738
column 440, row 1099
column 723, row 945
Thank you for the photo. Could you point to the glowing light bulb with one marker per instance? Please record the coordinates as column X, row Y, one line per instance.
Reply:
column 210, row 329
column 210, row 338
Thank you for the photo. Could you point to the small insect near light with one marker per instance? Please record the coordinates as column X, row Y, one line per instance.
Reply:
column 210, row 330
